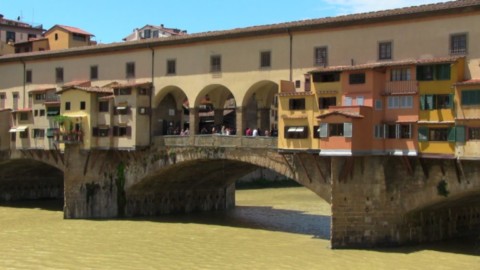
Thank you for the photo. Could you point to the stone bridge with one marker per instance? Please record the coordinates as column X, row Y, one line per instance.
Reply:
column 376, row 200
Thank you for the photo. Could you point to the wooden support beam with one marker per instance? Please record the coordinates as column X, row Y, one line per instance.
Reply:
column 347, row 169
column 317, row 161
column 424, row 167
column 54, row 156
column 300, row 161
column 459, row 170
column 86, row 163
column 407, row 164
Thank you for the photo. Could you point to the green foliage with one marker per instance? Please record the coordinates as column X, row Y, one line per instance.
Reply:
column 61, row 119
column 442, row 188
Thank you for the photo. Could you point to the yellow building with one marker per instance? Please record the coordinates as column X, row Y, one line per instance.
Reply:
column 64, row 37
column 467, row 120
column 436, row 121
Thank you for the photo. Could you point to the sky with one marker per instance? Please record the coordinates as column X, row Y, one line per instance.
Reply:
column 112, row 20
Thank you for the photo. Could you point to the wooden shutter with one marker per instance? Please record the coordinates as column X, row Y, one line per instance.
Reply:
column 422, row 134
column 347, row 130
column 451, row 134
column 323, row 130
column 95, row 132
column 460, row 134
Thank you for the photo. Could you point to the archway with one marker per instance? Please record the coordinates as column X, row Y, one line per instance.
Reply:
column 215, row 107
column 170, row 111
column 25, row 179
column 260, row 108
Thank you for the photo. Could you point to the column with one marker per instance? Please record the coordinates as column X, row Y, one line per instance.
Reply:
column 194, row 121
column 240, row 121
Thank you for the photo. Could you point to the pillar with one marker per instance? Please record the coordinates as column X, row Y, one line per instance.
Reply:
column 218, row 117
column 240, row 121
column 263, row 121
column 194, row 120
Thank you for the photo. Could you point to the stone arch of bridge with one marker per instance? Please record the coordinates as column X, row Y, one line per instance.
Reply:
column 258, row 102
column 170, row 111
column 27, row 179
column 206, row 167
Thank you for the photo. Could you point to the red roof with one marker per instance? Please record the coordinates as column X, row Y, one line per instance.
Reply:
column 131, row 84
column 469, row 82
column 42, row 88
column 343, row 113
column 88, row 89
column 84, row 83
column 71, row 29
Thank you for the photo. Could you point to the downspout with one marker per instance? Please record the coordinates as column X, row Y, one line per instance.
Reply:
column 152, row 89
column 290, row 54
column 24, row 80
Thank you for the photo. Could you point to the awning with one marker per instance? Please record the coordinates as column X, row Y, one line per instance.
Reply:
column 121, row 108
column 21, row 128
column 18, row 129
column 53, row 112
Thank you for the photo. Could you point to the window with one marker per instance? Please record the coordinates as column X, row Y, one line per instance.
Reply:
column 67, row 106
column 103, row 106
column 143, row 91
column 122, row 131
column 296, row 132
column 56, row 36
column 42, row 112
column 474, row 133
column 23, row 116
column 335, row 129
column 265, row 60
column 123, row 110
column 325, row 102
column 103, row 131
column 130, row 70
column 347, row 101
column 438, row 134
column 83, row 105
column 53, row 111
column 470, row 97
column 398, row 131
column 59, row 75
column 326, row 77
column 451, row 134
column 10, row 36
column 360, row 100
column 403, row 102
column 171, row 67
column 458, row 43
column 436, row 102
column 35, row 113
column 378, row 104
column 385, row 50
column 321, row 56
column 296, row 104
column 379, row 131
column 400, row 74
column 24, row 134
column 357, row 78
column 147, row 33
column 93, row 72
column 433, row 72
column 122, row 91
column 28, row 76
column 215, row 63
column 79, row 37
column 38, row 133
column 155, row 33
column 41, row 96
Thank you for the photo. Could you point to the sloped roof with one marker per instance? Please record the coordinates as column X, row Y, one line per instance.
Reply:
column 408, row 13
column 342, row 113
column 87, row 89
column 469, row 82
column 70, row 29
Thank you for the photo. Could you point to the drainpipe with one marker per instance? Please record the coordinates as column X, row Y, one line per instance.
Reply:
column 291, row 53
column 152, row 89
column 24, row 80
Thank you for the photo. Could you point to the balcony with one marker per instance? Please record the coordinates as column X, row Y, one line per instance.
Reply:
column 52, row 98
column 401, row 87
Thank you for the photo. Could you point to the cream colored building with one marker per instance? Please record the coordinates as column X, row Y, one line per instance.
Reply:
column 245, row 65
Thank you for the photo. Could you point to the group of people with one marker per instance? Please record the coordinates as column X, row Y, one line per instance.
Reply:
column 257, row 132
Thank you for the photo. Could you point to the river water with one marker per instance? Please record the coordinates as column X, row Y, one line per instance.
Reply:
column 280, row 228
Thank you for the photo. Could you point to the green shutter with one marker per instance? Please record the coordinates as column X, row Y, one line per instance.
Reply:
column 422, row 134
column 442, row 72
column 429, row 102
column 460, row 133
column 450, row 101
column 451, row 134
column 422, row 102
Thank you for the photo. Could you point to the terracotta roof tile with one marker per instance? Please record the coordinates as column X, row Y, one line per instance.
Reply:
column 289, row 94
column 71, row 29
column 42, row 88
column 408, row 13
column 469, row 82
column 83, row 83
column 130, row 84
column 343, row 113
column 88, row 89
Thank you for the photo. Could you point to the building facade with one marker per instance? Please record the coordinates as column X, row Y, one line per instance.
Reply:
column 381, row 83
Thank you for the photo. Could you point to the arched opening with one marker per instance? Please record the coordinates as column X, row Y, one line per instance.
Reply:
column 170, row 114
column 216, row 110
column 24, row 179
column 260, row 108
